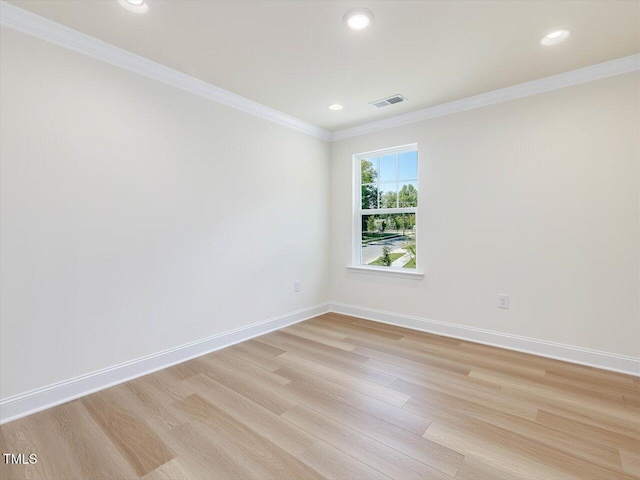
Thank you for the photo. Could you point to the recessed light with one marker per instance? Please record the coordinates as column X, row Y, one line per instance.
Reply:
column 358, row 18
column 554, row 37
column 136, row 6
column 335, row 106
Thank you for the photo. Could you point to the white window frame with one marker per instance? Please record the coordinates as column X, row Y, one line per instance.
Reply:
column 356, row 258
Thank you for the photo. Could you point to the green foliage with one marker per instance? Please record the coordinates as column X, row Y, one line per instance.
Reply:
column 405, row 222
column 368, row 237
column 410, row 248
column 369, row 195
column 410, row 264
column 371, row 224
column 368, row 174
column 388, row 200
column 408, row 196
column 392, row 256
column 386, row 257
column 410, row 221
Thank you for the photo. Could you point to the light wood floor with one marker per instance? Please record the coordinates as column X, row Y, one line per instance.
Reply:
column 339, row 397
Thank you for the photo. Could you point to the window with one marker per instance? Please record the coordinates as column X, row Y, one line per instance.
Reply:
column 386, row 207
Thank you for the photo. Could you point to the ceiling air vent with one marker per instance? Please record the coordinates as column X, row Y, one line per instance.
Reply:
column 388, row 101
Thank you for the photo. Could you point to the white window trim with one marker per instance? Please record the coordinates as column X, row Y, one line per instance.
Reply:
column 357, row 211
column 387, row 271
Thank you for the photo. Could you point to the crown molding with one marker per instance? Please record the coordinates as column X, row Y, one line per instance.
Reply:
column 574, row 77
column 44, row 29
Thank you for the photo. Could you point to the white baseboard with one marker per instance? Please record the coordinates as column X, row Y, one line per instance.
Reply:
column 558, row 351
column 21, row 405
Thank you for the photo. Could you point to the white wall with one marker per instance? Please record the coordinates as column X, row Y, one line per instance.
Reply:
column 537, row 198
column 136, row 217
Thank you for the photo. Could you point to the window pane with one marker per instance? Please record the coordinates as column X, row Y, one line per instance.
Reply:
column 388, row 195
column 368, row 170
column 388, row 168
column 369, row 196
column 389, row 240
column 408, row 166
column 408, row 194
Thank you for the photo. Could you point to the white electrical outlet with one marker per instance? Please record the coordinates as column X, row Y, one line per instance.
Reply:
column 503, row 301
column 296, row 286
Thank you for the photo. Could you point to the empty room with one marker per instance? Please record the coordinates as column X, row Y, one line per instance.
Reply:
column 320, row 239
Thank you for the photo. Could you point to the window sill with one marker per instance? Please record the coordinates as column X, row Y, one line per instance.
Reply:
column 386, row 271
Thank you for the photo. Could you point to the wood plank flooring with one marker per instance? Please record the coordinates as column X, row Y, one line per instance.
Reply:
column 339, row 397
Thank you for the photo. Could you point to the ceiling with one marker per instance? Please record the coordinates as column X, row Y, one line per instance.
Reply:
column 298, row 56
